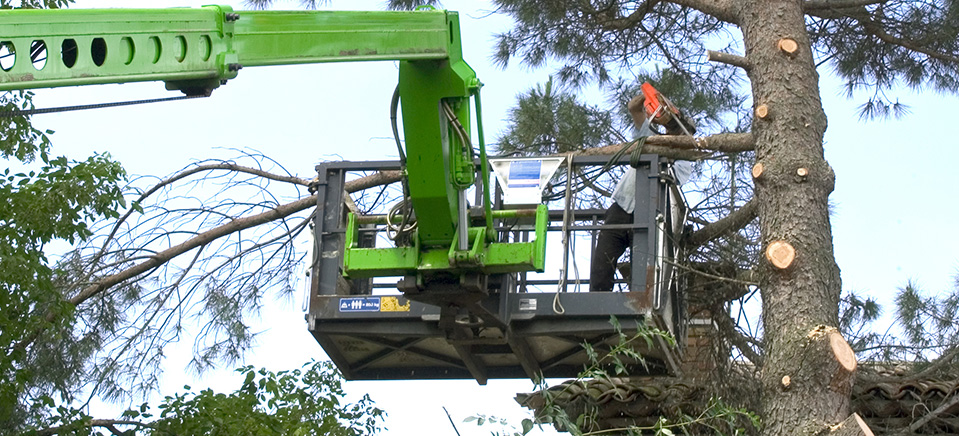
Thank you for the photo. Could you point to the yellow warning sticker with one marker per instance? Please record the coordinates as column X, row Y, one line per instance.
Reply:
column 392, row 304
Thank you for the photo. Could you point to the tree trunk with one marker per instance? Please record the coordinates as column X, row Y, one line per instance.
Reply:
column 800, row 298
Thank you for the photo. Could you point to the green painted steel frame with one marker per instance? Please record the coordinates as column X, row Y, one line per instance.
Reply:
column 207, row 44
column 182, row 47
column 308, row 37
column 488, row 258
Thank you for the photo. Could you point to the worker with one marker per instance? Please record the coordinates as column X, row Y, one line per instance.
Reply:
column 612, row 243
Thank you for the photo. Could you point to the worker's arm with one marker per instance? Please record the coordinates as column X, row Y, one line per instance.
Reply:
column 636, row 110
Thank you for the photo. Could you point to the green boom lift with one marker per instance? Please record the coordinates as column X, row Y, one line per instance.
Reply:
column 463, row 311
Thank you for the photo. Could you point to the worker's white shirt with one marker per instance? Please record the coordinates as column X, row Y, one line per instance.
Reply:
column 625, row 193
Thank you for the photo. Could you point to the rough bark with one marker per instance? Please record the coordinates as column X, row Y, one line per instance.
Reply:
column 728, row 59
column 805, row 296
column 685, row 147
column 721, row 9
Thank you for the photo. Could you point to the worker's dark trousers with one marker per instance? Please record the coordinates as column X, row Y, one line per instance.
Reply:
column 610, row 245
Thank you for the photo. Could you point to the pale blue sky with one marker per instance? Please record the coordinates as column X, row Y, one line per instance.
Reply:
column 892, row 220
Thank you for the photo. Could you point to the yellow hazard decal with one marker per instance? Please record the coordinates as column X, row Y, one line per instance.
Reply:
column 392, row 304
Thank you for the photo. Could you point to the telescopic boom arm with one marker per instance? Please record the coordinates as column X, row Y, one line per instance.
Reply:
column 198, row 49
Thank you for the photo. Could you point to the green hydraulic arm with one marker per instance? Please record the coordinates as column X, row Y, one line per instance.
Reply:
column 196, row 50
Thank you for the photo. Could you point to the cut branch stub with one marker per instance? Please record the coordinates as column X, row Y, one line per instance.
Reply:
column 728, row 59
column 762, row 111
column 788, row 46
column 781, row 254
column 758, row 170
column 802, row 172
column 843, row 352
column 840, row 360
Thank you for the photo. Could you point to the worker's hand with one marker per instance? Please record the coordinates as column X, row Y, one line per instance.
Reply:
column 636, row 109
column 636, row 105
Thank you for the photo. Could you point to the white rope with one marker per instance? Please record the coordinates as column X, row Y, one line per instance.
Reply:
column 561, row 287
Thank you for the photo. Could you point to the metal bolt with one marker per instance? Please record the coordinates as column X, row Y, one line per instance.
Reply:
column 232, row 16
column 233, row 67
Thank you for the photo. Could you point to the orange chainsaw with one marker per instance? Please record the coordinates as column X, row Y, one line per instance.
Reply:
column 663, row 112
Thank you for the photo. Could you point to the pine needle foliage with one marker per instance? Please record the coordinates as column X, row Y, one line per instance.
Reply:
column 547, row 120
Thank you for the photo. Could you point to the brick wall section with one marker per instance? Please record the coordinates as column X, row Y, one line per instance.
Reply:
column 699, row 358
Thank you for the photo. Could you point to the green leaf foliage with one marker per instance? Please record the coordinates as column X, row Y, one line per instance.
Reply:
column 307, row 401
column 301, row 402
column 55, row 202
column 578, row 406
column 18, row 138
column 43, row 199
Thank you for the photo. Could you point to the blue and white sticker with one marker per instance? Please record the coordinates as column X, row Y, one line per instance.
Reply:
column 364, row 304
column 524, row 173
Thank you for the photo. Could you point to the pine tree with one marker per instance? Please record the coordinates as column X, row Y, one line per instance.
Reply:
column 873, row 45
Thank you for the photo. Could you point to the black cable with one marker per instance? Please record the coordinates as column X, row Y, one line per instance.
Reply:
column 394, row 105
column 606, row 167
column 406, row 211
column 27, row 112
